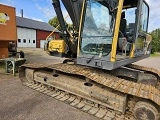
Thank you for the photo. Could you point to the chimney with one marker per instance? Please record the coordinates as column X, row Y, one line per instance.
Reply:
column 22, row 13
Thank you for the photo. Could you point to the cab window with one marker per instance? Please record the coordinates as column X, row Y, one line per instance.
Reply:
column 144, row 18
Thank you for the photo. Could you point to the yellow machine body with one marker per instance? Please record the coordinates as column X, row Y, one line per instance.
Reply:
column 57, row 47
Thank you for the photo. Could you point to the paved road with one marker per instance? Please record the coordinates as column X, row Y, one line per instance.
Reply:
column 153, row 62
column 18, row 102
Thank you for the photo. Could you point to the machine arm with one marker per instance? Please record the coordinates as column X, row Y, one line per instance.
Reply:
column 56, row 5
column 74, row 9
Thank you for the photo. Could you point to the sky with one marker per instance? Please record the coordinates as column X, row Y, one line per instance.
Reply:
column 42, row 10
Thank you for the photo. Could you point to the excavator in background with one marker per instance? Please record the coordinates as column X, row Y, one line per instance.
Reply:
column 98, row 77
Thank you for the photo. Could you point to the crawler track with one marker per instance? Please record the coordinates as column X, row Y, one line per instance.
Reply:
column 80, row 103
column 137, row 90
column 143, row 68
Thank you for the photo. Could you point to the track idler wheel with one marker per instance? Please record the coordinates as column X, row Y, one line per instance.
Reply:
column 145, row 111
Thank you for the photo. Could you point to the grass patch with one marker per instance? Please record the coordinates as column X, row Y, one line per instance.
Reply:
column 155, row 55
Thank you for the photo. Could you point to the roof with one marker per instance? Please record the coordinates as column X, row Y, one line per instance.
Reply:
column 33, row 24
column 6, row 5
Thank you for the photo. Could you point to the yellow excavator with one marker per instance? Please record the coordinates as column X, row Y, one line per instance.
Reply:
column 98, row 76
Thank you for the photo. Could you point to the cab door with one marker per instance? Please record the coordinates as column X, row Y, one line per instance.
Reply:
column 142, row 28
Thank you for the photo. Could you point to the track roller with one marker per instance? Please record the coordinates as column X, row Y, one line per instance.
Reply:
column 145, row 111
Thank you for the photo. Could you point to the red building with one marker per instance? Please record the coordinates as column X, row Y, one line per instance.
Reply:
column 41, row 35
column 32, row 33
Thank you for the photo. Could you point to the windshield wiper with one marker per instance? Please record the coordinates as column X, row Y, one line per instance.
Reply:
column 88, row 61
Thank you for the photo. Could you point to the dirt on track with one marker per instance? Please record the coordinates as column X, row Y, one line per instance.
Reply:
column 21, row 103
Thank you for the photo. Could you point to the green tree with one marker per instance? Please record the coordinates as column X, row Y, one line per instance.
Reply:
column 54, row 22
column 155, row 40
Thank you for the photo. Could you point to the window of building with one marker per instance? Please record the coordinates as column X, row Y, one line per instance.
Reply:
column 29, row 41
column 19, row 40
column 24, row 40
column 33, row 41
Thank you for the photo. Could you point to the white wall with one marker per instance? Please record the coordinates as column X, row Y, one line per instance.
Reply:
column 42, row 42
column 26, row 37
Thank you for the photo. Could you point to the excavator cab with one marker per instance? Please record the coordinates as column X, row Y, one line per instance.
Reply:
column 107, row 34
column 113, row 33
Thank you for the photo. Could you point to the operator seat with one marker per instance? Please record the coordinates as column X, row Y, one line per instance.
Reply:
column 130, row 32
column 123, row 44
column 123, row 24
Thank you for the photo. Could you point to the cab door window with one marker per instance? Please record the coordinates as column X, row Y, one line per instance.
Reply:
column 144, row 18
column 142, row 30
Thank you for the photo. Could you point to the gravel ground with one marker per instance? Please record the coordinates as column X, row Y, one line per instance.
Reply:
column 18, row 102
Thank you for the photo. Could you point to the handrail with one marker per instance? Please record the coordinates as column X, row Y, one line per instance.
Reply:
column 55, row 28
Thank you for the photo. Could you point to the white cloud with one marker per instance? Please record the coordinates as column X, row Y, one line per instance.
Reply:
column 30, row 17
column 7, row 2
column 49, row 12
